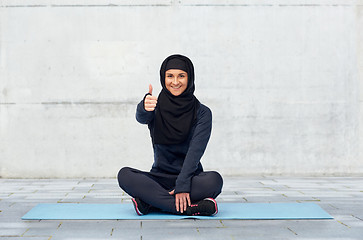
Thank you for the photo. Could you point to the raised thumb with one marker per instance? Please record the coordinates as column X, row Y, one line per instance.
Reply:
column 151, row 89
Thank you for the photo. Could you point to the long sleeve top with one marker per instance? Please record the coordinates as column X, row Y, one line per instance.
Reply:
column 181, row 159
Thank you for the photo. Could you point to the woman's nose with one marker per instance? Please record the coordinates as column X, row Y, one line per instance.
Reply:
column 175, row 80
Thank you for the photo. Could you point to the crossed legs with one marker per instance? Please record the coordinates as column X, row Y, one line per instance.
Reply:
column 154, row 190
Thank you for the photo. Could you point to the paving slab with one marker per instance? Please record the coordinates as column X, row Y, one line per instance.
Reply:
column 339, row 196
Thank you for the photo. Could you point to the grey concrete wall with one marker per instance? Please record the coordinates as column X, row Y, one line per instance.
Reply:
column 360, row 75
column 281, row 77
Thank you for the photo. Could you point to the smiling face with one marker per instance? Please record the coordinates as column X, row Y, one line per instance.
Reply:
column 176, row 81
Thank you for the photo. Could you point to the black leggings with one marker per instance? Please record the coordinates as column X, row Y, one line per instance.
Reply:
column 154, row 188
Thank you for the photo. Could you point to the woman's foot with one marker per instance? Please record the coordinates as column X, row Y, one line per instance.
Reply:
column 141, row 207
column 205, row 207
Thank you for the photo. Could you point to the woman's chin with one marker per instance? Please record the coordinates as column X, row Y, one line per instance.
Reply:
column 176, row 94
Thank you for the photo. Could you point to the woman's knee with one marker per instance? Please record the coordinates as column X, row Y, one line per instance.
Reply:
column 123, row 176
column 208, row 183
column 216, row 180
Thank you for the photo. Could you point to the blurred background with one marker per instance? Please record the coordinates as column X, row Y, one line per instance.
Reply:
column 283, row 79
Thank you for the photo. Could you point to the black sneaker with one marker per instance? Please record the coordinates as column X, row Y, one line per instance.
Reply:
column 206, row 207
column 141, row 208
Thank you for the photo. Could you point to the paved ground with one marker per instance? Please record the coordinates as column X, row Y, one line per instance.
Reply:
column 341, row 197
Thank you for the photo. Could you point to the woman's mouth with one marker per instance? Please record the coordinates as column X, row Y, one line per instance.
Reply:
column 176, row 87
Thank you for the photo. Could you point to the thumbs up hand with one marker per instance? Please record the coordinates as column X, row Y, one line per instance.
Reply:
column 150, row 101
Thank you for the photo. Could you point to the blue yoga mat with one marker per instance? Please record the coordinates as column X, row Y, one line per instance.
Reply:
column 226, row 211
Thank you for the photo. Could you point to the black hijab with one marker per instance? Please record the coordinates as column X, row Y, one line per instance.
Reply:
column 175, row 115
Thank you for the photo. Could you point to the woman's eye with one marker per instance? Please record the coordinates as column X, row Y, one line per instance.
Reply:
column 182, row 76
column 170, row 76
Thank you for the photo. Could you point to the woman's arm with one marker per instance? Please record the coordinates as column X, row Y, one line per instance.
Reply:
column 146, row 108
column 196, row 150
column 143, row 116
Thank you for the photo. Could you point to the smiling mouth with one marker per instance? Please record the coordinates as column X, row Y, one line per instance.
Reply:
column 175, row 87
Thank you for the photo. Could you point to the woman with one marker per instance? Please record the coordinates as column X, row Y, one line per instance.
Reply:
column 180, row 127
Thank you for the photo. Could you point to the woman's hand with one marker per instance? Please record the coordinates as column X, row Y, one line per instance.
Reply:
column 150, row 101
column 182, row 201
